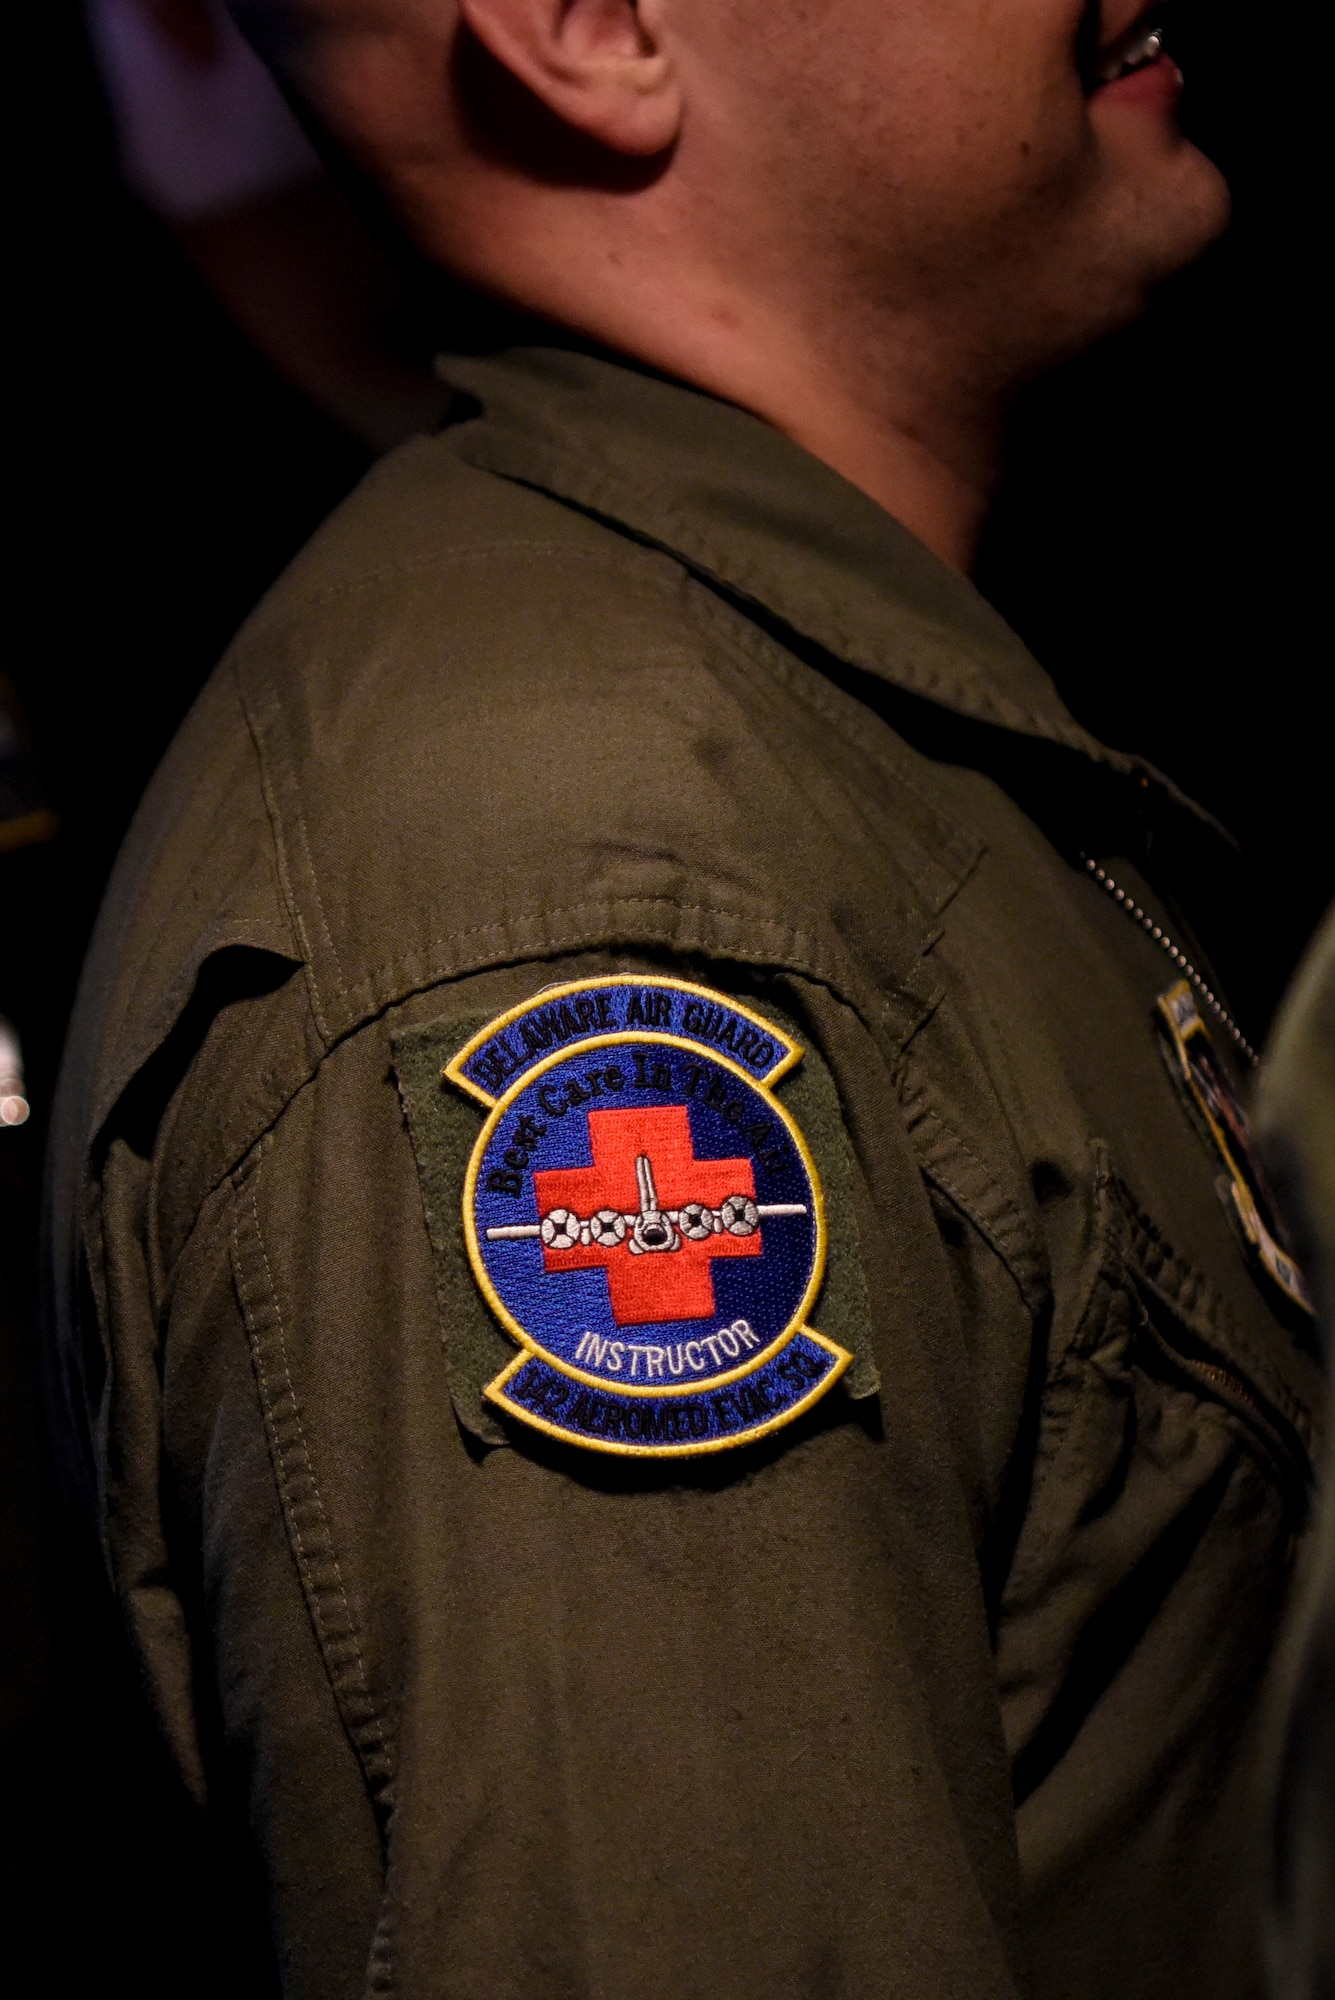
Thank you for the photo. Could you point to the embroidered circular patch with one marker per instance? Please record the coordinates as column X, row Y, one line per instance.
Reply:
column 644, row 1218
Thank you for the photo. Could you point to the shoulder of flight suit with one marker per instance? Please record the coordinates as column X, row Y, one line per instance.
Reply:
column 491, row 727
column 472, row 725
column 471, row 742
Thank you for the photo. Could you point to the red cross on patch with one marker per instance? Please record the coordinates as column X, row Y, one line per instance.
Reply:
column 660, row 1285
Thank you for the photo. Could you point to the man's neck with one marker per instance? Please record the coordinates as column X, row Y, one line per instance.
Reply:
column 926, row 451
column 916, row 480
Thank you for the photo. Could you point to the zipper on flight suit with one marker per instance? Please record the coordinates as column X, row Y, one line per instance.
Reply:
column 1281, row 1437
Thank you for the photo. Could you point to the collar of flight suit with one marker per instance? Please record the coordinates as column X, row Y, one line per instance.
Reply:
column 759, row 517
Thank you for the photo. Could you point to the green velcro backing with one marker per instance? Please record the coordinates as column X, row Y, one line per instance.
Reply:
column 444, row 1125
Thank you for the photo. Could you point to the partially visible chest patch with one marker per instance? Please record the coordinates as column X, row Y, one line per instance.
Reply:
column 1208, row 1087
column 644, row 1218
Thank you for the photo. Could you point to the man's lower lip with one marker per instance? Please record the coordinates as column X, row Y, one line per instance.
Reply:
column 1159, row 83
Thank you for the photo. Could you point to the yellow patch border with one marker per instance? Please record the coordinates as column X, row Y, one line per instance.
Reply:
column 843, row 1361
column 453, row 1069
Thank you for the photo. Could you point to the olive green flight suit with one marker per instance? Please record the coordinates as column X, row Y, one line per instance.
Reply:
column 946, row 1691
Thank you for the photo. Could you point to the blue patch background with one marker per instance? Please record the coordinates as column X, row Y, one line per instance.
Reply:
column 556, row 1308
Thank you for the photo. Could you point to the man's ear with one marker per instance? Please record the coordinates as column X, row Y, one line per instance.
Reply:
column 599, row 65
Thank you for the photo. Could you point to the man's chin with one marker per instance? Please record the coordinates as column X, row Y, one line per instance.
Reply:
column 1197, row 217
column 1175, row 201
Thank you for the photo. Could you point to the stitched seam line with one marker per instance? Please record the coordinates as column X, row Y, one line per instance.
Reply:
column 331, row 1643
column 613, row 558
column 792, row 948
column 1005, row 1229
column 281, row 859
column 872, row 1009
column 606, row 499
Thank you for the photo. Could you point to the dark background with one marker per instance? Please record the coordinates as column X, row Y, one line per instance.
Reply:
column 1156, row 543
